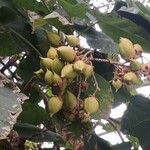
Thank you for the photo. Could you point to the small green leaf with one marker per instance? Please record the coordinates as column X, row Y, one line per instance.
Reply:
column 76, row 10
column 37, row 114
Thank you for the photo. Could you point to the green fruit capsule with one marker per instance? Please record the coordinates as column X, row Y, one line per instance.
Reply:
column 87, row 71
column 54, row 104
column 68, row 72
column 56, row 79
column 39, row 73
column 79, row 66
column 126, row 48
column 66, row 53
column 135, row 65
column 117, row 84
column 54, row 38
column 72, row 40
column 52, row 53
column 48, row 77
column 91, row 104
column 131, row 78
column 138, row 50
column 70, row 100
column 57, row 65
column 46, row 62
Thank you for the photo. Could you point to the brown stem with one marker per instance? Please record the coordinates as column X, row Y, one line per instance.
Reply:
column 96, row 84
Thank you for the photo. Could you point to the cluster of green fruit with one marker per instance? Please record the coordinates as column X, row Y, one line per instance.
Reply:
column 62, row 67
column 129, row 75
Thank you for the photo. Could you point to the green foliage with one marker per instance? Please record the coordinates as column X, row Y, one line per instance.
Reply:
column 19, row 33
column 8, row 45
column 76, row 10
column 112, row 23
column 33, row 114
column 36, row 134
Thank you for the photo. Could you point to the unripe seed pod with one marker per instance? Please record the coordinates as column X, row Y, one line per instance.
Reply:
column 87, row 71
column 48, row 77
column 117, row 84
column 54, row 104
column 66, row 53
column 134, row 65
column 56, row 79
column 57, row 65
column 72, row 40
column 79, row 65
column 39, row 73
column 126, row 48
column 131, row 78
column 54, row 38
column 52, row 53
column 138, row 50
column 70, row 100
column 46, row 62
column 68, row 72
column 91, row 104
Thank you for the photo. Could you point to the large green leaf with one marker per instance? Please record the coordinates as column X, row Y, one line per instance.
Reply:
column 104, row 96
column 93, row 142
column 36, row 134
column 122, row 146
column 10, row 105
column 37, row 114
column 96, row 40
column 28, row 66
column 7, row 13
column 73, row 10
column 8, row 45
column 117, row 27
column 32, row 5
column 136, row 120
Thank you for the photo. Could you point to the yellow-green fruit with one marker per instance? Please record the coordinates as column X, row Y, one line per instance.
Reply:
column 126, row 48
column 39, row 73
column 68, row 72
column 135, row 65
column 57, row 65
column 56, row 79
column 48, row 77
column 117, row 84
column 79, row 65
column 131, row 77
column 87, row 71
column 91, row 104
column 66, row 53
column 46, row 62
column 138, row 50
column 72, row 40
column 54, row 38
column 70, row 100
column 52, row 53
column 54, row 104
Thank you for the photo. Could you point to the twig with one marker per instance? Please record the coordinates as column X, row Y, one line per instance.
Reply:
column 119, row 133
column 107, row 61
column 96, row 84
column 79, row 93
